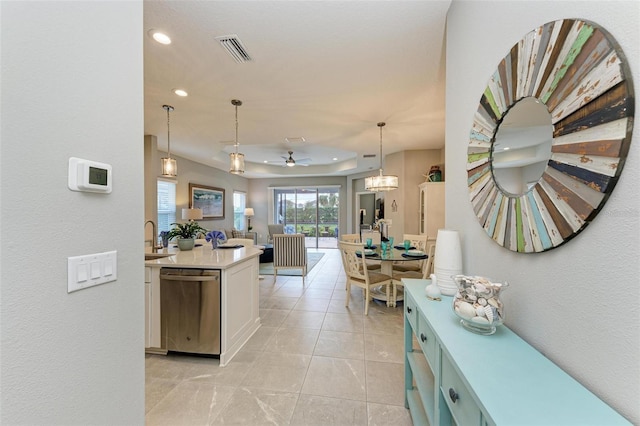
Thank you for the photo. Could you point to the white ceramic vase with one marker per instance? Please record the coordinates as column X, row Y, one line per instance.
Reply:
column 448, row 260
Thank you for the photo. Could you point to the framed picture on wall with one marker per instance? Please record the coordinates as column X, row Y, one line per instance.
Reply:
column 209, row 199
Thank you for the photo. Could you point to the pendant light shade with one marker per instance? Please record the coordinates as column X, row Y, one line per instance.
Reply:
column 169, row 165
column 236, row 166
column 381, row 182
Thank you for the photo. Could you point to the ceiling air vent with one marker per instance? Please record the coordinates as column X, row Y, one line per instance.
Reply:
column 234, row 47
column 369, row 156
column 297, row 139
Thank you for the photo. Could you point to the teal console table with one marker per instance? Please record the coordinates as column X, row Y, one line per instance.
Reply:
column 453, row 376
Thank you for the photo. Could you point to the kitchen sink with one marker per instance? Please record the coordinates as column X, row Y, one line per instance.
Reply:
column 153, row 256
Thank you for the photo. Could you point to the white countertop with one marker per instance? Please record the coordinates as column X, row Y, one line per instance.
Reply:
column 202, row 257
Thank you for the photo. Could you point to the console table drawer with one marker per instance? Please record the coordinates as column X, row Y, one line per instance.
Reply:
column 410, row 311
column 427, row 340
column 458, row 398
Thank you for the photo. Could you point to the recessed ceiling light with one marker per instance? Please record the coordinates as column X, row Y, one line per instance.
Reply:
column 161, row 38
column 265, row 161
column 506, row 148
column 180, row 92
column 335, row 158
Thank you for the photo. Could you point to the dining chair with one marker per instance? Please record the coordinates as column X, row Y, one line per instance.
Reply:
column 355, row 238
column 420, row 242
column 359, row 275
column 289, row 252
column 427, row 270
column 350, row 238
column 375, row 236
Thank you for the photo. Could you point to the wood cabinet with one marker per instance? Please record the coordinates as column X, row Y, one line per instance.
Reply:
column 152, row 309
column 431, row 215
column 453, row 376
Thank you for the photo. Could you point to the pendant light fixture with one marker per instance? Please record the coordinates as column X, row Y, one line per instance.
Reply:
column 169, row 165
column 237, row 159
column 381, row 182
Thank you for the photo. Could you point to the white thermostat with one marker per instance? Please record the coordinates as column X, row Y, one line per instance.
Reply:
column 89, row 176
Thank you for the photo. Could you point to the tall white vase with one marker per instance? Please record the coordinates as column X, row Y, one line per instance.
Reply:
column 448, row 260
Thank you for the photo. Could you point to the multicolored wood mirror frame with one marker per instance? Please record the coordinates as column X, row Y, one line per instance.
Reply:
column 577, row 70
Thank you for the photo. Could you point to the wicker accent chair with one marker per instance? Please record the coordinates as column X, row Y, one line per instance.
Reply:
column 359, row 275
column 289, row 252
column 275, row 229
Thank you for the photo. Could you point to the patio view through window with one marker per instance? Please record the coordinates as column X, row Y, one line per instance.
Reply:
column 313, row 212
column 239, row 203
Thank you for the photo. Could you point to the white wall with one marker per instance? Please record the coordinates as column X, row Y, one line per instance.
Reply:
column 577, row 304
column 72, row 84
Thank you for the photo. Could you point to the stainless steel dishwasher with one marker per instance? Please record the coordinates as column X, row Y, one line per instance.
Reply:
column 190, row 310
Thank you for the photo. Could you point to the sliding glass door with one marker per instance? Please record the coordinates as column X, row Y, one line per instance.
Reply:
column 312, row 211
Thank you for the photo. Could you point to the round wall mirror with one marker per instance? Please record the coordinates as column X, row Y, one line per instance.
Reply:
column 550, row 136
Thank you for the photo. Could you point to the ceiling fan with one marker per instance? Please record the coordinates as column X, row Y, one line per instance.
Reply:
column 290, row 162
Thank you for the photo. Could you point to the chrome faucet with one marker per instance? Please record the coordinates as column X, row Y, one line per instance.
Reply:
column 154, row 240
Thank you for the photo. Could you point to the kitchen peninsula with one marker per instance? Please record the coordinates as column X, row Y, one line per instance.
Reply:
column 239, row 296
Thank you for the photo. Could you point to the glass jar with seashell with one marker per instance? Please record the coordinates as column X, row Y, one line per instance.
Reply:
column 478, row 303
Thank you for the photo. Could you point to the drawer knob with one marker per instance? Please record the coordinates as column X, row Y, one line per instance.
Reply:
column 423, row 337
column 453, row 395
column 408, row 309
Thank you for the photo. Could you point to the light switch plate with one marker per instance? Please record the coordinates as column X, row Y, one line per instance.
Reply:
column 91, row 269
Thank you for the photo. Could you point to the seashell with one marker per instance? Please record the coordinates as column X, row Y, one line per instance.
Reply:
column 488, row 312
column 458, row 295
column 472, row 297
column 480, row 311
column 482, row 280
column 480, row 288
column 466, row 310
column 482, row 301
column 494, row 302
column 480, row 320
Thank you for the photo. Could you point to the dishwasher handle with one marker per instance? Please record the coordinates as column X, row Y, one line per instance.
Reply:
column 189, row 277
column 194, row 275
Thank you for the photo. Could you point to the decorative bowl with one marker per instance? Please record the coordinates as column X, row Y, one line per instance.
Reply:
column 477, row 303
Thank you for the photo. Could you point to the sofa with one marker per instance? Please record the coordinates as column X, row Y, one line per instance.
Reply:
column 234, row 233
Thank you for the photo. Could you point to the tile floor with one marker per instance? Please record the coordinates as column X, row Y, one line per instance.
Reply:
column 313, row 362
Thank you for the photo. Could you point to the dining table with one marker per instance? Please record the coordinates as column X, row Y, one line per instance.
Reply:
column 387, row 259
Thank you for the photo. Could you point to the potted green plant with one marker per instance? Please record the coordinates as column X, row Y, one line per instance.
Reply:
column 185, row 234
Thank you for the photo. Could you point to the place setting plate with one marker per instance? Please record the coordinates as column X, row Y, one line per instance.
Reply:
column 367, row 253
column 402, row 247
column 415, row 254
